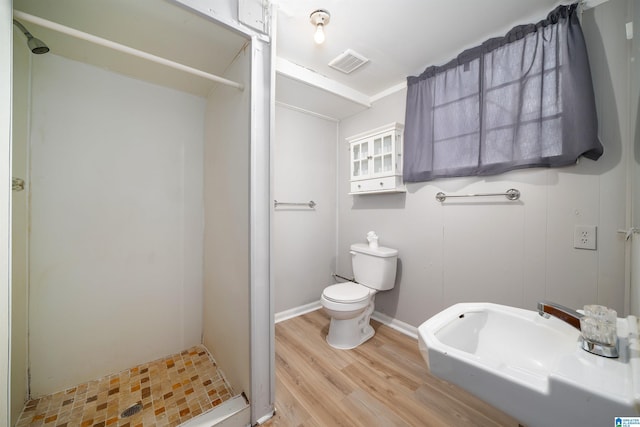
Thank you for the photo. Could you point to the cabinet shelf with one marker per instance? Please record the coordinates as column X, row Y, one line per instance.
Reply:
column 376, row 160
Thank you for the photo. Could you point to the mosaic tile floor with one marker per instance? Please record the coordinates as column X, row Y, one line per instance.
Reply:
column 170, row 391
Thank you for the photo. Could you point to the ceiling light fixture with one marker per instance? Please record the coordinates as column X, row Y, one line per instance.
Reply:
column 319, row 18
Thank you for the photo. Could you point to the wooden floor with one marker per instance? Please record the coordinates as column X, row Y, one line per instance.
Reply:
column 383, row 382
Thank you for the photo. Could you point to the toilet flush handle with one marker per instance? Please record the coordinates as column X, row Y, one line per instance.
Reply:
column 352, row 253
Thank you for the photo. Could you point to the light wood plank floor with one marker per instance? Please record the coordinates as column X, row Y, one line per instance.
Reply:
column 383, row 382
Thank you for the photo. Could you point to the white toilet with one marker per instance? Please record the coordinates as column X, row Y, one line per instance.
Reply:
column 350, row 304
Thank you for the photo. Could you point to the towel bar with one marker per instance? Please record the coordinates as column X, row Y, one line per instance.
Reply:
column 311, row 204
column 511, row 194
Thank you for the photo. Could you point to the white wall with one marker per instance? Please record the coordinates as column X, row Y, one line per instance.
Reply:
column 494, row 250
column 634, row 160
column 116, row 222
column 19, row 225
column 304, row 240
column 226, row 235
column 635, row 114
column 614, row 85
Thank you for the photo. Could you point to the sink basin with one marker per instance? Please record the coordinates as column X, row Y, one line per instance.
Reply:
column 531, row 367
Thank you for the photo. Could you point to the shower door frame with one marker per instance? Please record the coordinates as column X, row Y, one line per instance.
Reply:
column 6, row 41
column 262, row 333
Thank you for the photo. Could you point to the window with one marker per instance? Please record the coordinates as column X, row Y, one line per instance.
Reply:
column 523, row 100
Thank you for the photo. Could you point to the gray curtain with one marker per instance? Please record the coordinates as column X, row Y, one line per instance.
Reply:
column 518, row 101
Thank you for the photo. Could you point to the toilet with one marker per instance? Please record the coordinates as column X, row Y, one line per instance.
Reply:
column 350, row 304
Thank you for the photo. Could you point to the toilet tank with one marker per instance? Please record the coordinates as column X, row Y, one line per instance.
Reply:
column 374, row 268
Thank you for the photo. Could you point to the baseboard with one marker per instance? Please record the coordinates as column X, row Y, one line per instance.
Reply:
column 297, row 311
column 396, row 324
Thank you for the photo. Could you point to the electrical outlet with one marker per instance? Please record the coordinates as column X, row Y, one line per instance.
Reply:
column 584, row 237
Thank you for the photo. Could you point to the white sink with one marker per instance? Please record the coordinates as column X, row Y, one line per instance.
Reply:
column 531, row 367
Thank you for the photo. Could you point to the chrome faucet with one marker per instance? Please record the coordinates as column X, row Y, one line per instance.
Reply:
column 568, row 315
column 547, row 309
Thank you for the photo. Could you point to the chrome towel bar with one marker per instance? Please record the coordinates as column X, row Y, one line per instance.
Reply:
column 628, row 233
column 511, row 194
column 311, row 204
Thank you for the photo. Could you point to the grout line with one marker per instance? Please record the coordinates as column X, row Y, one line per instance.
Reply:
column 172, row 389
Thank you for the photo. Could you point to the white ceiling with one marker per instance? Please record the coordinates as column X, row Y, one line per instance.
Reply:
column 400, row 37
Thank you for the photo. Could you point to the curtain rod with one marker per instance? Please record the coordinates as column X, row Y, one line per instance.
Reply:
column 122, row 48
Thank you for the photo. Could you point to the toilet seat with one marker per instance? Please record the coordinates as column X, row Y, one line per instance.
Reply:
column 347, row 292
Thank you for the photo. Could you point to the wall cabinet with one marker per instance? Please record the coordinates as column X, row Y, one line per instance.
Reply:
column 376, row 160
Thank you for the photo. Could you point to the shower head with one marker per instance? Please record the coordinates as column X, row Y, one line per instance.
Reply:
column 37, row 46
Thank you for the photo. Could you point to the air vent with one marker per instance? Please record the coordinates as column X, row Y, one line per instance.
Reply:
column 348, row 61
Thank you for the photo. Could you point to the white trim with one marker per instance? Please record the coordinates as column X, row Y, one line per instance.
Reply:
column 398, row 325
column 6, row 37
column 269, row 163
column 297, row 311
column 310, row 77
column 304, row 111
column 262, row 337
column 389, row 91
column 337, row 197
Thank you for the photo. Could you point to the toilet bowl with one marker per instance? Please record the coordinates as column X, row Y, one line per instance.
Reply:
column 350, row 304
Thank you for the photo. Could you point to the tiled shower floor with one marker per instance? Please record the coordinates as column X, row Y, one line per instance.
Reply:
column 171, row 391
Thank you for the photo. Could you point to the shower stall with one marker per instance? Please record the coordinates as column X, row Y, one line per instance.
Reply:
column 139, row 151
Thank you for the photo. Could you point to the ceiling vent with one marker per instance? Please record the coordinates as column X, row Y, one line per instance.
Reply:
column 348, row 61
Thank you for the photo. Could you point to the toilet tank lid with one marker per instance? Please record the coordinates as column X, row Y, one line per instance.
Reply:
column 380, row 251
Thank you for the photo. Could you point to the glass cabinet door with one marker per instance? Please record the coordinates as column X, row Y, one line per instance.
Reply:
column 387, row 154
column 377, row 155
column 360, row 159
column 383, row 154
